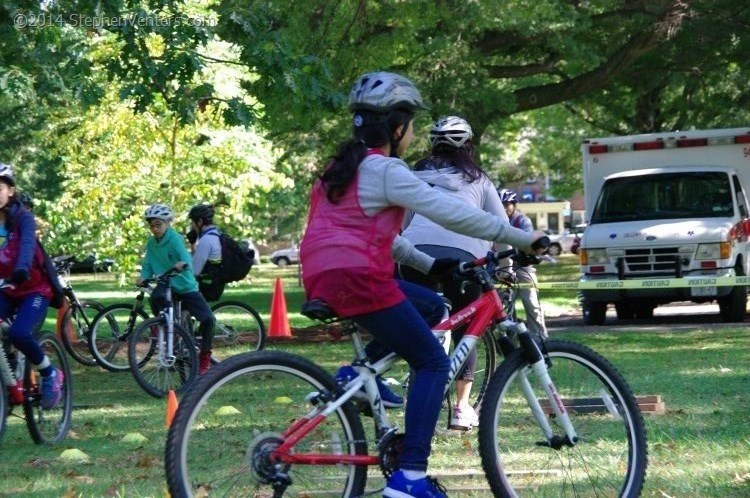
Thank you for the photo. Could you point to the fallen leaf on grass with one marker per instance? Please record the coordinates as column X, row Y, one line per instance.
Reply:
column 134, row 438
column 74, row 455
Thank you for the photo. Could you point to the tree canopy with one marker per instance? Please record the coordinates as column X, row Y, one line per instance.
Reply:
column 126, row 102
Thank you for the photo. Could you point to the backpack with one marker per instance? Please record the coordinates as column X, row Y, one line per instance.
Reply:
column 58, row 295
column 235, row 261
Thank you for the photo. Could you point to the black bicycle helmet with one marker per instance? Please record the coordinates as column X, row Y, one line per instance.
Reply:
column 203, row 212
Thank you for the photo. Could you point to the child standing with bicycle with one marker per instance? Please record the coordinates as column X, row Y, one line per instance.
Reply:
column 22, row 263
column 356, row 211
column 165, row 250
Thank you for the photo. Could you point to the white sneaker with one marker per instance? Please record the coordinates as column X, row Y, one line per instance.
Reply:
column 464, row 418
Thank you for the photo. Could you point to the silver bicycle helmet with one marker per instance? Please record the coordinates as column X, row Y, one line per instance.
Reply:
column 160, row 212
column 6, row 174
column 382, row 92
column 450, row 130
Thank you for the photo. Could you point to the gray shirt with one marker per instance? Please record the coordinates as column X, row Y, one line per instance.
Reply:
column 387, row 181
column 207, row 248
column 479, row 193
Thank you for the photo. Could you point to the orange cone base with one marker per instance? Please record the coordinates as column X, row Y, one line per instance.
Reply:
column 278, row 327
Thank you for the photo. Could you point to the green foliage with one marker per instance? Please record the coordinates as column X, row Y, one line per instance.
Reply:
column 532, row 77
column 117, row 163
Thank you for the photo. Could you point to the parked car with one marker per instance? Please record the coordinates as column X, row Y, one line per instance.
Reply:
column 89, row 264
column 560, row 243
column 283, row 257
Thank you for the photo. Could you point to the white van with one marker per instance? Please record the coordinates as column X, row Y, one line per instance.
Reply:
column 661, row 206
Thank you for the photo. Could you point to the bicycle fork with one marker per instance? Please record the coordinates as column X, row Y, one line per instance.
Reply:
column 539, row 368
column 165, row 349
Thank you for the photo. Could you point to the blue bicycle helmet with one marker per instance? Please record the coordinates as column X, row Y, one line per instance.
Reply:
column 509, row 196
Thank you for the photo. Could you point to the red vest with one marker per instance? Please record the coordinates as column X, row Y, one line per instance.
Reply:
column 38, row 282
column 346, row 254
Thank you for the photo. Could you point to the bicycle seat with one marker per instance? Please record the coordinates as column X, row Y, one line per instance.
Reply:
column 317, row 309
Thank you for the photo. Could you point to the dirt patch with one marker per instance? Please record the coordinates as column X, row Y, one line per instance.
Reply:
column 315, row 333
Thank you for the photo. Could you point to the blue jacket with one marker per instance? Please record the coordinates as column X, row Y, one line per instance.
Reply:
column 162, row 255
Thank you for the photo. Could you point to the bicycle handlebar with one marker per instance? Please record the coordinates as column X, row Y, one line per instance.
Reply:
column 496, row 257
column 162, row 276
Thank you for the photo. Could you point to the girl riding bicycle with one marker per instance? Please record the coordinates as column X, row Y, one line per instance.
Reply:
column 22, row 263
column 356, row 211
column 450, row 168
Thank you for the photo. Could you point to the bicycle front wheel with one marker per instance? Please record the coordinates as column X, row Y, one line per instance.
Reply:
column 238, row 327
column 154, row 368
column 75, row 327
column 109, row 334
column 609, row 458
column 228, row 424
column 48, row 425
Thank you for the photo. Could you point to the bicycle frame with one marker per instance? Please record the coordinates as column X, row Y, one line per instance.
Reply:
column 480, row 315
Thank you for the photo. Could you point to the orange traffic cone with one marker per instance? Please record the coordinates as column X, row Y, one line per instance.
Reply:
column 171, row 407
column 279, row 324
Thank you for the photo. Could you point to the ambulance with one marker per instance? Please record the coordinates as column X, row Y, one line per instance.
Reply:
column 665, row 206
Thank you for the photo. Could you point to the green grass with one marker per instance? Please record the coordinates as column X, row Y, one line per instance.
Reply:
column 698, row 448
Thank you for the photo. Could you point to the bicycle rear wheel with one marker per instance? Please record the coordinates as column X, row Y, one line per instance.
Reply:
column 156, row 373
column 75, row 331
column 109, row 334
column 238, row 327
column 609, row 459
column 229, row 422
column 48, row 426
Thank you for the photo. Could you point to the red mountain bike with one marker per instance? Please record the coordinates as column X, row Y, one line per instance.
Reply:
column 556, row 419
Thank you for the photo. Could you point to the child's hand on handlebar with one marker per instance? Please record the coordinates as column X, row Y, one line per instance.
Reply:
column 540, row 244
column 442, row 268
column 180, row 265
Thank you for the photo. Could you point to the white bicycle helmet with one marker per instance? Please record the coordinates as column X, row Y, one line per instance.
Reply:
column 160, row 212
column 6, row 174
column 382, row 92
column 450, row 130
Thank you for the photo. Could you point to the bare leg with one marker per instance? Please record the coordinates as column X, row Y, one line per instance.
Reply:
column 463, row 390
